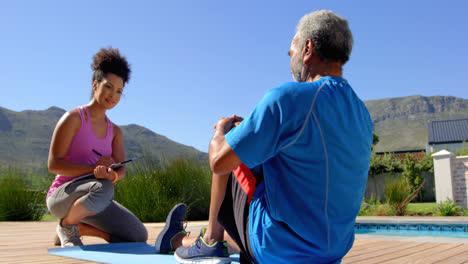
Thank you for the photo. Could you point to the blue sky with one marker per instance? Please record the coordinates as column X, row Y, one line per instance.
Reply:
column 196, row 61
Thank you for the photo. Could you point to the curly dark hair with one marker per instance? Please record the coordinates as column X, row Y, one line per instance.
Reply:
column 110, row 61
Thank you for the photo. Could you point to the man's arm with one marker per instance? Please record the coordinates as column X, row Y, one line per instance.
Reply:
column 222, row 158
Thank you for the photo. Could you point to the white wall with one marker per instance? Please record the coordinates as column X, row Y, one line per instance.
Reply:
column 451, row 177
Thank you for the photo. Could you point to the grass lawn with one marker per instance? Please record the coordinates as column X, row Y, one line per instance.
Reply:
column 413, row 209
column 421, row 208
column 48, row 217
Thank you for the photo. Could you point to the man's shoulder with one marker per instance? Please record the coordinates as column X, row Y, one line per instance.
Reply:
column 292, row 95
column 294, row 92
column 296, row 85
column 289, row 88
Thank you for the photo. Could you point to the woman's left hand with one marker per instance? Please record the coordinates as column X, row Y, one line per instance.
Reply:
column 102, row 172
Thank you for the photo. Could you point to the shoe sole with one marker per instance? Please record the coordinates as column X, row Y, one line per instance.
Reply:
column 203, row 260
column 166, row 227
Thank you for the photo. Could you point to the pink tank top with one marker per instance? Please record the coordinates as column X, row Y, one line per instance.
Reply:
column 82, row 145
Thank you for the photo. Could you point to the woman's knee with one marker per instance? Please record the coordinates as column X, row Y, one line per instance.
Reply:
column 141, row 236
column 99, row 197
column 103, row 188
column 55, row 209
column 138, row 234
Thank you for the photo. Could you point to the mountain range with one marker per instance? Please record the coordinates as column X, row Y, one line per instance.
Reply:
column 401, row 124
column 25, row 139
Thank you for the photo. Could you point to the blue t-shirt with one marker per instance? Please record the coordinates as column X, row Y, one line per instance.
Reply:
column 314, row 142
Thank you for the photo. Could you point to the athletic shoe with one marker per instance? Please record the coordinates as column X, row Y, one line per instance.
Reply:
column 201, row 252
column 57, row 241
column 68, row 235
column 174, row 226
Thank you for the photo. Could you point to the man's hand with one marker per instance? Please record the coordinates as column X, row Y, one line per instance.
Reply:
column 222, row 158
column 225, row 124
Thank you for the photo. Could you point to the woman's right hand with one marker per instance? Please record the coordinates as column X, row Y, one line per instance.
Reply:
column 102, row 172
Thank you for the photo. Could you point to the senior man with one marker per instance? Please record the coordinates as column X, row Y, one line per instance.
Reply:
column 289, row 179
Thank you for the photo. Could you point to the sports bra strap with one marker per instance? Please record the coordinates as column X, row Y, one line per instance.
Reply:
column 87, row 114
column 80, row 111
column 109, row 127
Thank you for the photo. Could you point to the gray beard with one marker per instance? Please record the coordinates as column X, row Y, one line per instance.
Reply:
column 297, row 71
column 297, row 77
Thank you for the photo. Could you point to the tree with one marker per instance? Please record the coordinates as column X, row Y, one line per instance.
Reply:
column 426, row 164
column 412, row 172
column 375, row 140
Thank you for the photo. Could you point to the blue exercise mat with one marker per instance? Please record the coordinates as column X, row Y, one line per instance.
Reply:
column 118, row 253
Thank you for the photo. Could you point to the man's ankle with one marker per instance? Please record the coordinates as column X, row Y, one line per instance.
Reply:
column 177, row 240
column 210, row 239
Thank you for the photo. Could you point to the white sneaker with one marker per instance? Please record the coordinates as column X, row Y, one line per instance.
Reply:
column 57, row 241
column 68, row 235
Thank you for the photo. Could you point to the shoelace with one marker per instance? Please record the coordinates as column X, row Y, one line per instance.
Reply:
column 72, row 234
column 76, row 235
column 198, row 243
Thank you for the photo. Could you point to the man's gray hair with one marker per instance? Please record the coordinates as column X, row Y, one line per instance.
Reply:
column 330, row 34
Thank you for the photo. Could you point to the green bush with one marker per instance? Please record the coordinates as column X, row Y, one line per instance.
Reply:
column 372, row 206
column 448, row 208
column 411, row 172
column 364, row 210
column 396, row 192
column 18, row 200
column 154, row 185
column 426, row 164
column 399, row 194
column 413, row 169
column 375, row 140
column 376, row 209
column 384, row 164
column 372, row 200
column 464, row 150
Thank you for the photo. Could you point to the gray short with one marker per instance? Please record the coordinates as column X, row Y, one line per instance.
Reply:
column 97, row 196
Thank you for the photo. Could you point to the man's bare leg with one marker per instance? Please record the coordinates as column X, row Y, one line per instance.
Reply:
column 187, row 241
column 233, row 248
column 215, row 232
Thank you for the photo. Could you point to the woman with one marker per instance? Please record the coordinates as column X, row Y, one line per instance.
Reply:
column 86, row 141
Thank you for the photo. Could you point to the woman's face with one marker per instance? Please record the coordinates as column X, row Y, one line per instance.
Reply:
column 107, row 92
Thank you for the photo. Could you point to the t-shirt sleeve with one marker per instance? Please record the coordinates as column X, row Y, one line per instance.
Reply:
column 264, row 132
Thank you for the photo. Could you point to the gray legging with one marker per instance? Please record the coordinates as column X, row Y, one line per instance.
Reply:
column 97, row 196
